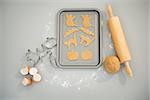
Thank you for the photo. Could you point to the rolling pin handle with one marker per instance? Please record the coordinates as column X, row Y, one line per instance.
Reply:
column 110, row 13
column 128, row 69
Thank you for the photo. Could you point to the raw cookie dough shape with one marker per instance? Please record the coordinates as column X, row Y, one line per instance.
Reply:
column 72, row 55
column 86, row 21
column 69, row 20
column 73, row 30
column 71, row 41
column 87, row 55
column 85, row 41
column 112, row 64
column 86, row 31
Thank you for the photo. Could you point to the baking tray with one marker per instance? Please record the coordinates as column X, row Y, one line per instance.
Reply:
column 95, row 47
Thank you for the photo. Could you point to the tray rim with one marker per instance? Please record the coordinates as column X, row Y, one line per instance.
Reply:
column 100, row 40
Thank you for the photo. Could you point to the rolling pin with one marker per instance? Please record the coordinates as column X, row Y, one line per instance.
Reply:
column 119, row 41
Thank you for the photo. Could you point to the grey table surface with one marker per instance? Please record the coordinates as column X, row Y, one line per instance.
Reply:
column 21, row 27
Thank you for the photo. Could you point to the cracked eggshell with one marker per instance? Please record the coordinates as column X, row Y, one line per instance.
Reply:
column 33, row 71
column 24, row 70
column 37, row 77
column 26, row 81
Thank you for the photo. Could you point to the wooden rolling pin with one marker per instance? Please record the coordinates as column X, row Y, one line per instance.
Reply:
column 119, row 40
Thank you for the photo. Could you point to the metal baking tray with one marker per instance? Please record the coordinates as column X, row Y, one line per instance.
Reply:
column 94, row 47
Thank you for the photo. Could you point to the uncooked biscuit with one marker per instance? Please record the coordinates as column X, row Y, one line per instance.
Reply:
column 69, row 21
column 72, row 55
column 73, row 30
column 86, row 31
column 87, row 55
column 71, row 41
column 85, row 41
column 86, row 21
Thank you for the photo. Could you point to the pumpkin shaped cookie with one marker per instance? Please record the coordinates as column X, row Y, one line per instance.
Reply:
column 86, row 55
column 72, row 55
